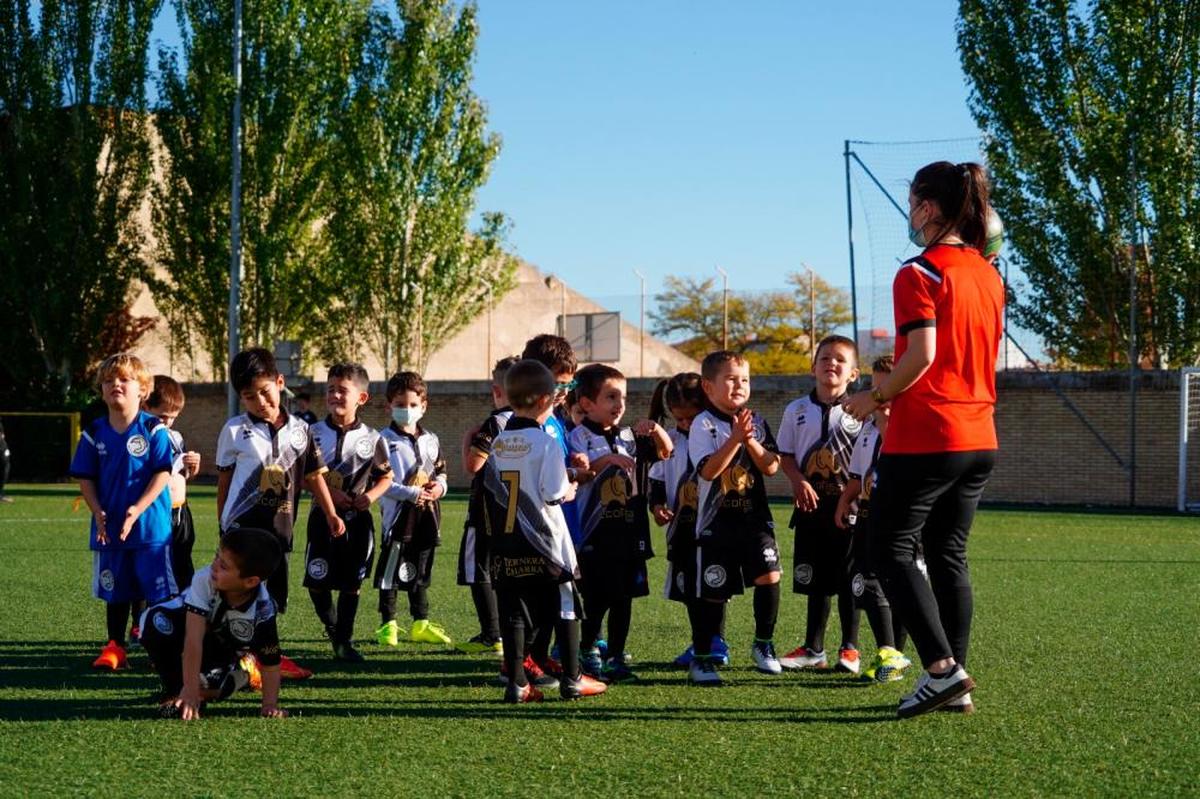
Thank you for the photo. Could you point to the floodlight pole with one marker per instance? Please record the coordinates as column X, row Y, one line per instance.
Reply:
column 642, row 327
column 812, row 313
column 850, row 240
column 724, row 307
column 235, row 208
column 1133, row 324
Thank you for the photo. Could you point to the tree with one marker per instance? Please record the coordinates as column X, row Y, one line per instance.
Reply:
column 74, row 166
column 773, row 329
column 1091, row 126
column 413, row 148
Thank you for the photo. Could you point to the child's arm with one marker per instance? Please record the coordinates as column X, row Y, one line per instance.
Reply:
column 766, row 461
column 623, row 462
column 372, row 494
column 270, row 692
column 473, row 459
column 193, row 650
column 155, row 487
column 315, row 483
column 662, row 441
column 720, row 460
column 191, row 464
column 804, row 495
column 846, row 503
column 88, row 489
column 224, row 480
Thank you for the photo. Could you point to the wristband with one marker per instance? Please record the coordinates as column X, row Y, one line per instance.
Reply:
column 877, row 396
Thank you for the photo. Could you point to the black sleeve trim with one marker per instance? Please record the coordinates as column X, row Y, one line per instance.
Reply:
column 916, row 324
column 925, row 263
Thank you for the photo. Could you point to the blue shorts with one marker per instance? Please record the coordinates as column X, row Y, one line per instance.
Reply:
column 126, row 575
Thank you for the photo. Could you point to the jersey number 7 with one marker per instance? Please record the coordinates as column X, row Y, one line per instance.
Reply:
column 513, row 481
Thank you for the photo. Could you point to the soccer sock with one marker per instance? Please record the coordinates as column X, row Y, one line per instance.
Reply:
column 347, row 610
column 323, row 603
column 485, row 610
column 387, row 604
column 899, row 633
column 818, row 615
column 568, row 646
column 594, row 610
column 539, row 641
column 848, row 615
column 879, row 615
column 620, row 617
column 706, row 622
column 136, row 609
column 418, row 602
column 117, row 614
column 766, row 610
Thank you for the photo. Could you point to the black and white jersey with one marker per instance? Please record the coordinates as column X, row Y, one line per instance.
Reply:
column 668, row 474
column 355, row 456
column 737, row 499
column 235, row 628
column 177, row 450
column 607, row 496
column 415, row 460
column 820, row 438
column 481, row 441
column 863, row 463
column 524, row 485
column 269, row 466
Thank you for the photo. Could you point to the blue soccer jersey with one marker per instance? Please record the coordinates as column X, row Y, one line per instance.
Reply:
column 121, row 465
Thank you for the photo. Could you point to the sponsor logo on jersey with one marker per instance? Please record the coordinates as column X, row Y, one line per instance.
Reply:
column 242, row 629
column 821, row 463
column 736, row 479
column 511, row 447
column 107, row 581
column 613, row 490
column 162, row 622
column 407, row 572
column 689, row 496
column 299, row 438
column 769, row 555
column 419, row 479
column 803, row 574
column 318, row 568
column 714, row 576
column 850, row 424
column 137, row 446
column 364, row 447
column 858, row 585
column 334, row 479
column 272, row 481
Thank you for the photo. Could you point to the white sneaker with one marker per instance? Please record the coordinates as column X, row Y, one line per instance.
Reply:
column 933, row 692
column 804, row 658
column 848, row 660
column 703, row 672
column 961, row 705
column 765, row 660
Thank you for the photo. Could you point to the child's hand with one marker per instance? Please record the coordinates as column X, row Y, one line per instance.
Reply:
column 570, row 495
column 431, row 491
column 273, row 712
column 741, row 428
column 191, row 464
column 841, row 517
column 341, row 500
column 101, row 532
column 131, row 516
column 337, row 527
column 645, row 427
column 579, row 460
column 188, row 704
column 623, row 462
column 662, row 514
column 805, row 496
column 361, row 502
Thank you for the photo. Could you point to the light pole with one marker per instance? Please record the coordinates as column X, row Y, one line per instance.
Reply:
column 642, row 327
column 812, row 312
column 724, row 307
column 235, row 208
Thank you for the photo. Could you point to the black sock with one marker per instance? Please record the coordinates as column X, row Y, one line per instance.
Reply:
column 136, row 608
column 568, row 646
column 538, row 643
column 512, row 631
column 706, row 620
column 347, row 610
column 117, row 614
column 323, row 603
column 620, row 618
column 879, row 615
column 418, row 602
column 485, row 610
column 766, row 610
column 594, row 610
column 387, row 604
column 818, row 616
column 849, row 617
column 899, row 632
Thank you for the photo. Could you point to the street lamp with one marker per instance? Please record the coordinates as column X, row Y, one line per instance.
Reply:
column 724, row 307
column 642, row 327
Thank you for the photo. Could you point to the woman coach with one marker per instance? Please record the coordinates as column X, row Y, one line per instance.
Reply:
column 941, row 442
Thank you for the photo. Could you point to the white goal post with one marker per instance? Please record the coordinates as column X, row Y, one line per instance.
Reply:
column 1189, row 440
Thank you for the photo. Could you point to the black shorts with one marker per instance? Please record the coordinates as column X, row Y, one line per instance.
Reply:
column 822, row 562
column 539, row 602
column 163, row 632
column 474, row 555
column 725, row 563
column 341, row 563
column 183, row 539
column 612, row 565
column 403, row 567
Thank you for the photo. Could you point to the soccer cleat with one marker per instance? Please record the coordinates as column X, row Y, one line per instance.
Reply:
column 580, row 687
column 519, row 694
column 889, row 666
column 591, row 662
column 345, row 652
column 7, row 500
column 765, row 660
column 135, row 636
column 537, row 677
column 249, row 664
column 848, row 660
column 933, row 692
column 720, row 651
column 290, row 670
column 684, row 660
column 112, row 657
column 961, row 705
column 550, row 666
column 804, row 658
column 426, row 632
column 602, row 645
column 615, row 671
column 480, row 645
column 388, row 634
column 703, row 673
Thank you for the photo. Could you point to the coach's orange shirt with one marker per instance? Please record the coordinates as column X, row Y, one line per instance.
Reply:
column 951, row 407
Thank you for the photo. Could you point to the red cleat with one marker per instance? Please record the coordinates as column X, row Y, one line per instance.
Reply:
column 290, row 670
column 112, row 657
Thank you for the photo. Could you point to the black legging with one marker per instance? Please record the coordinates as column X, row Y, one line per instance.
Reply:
column 930, row 499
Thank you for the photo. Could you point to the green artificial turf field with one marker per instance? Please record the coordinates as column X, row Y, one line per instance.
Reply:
column 1084, row 650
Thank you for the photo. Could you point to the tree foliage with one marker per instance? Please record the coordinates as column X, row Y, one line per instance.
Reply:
column 1090, row 113
column 74, row 166
column 773, row 329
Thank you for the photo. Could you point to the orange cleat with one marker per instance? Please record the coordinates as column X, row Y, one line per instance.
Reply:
column 581, row 687
column 289, row 670
column 249, row 664
column 112, row 657
column 516, row 695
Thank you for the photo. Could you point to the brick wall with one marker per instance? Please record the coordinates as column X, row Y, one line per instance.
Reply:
column 1047, row 455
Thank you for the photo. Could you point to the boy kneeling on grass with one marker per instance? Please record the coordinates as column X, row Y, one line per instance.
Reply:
column 198, row 640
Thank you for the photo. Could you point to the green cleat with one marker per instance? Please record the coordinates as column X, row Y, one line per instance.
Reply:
column 388, row 634
column 426, row 632
column 479, row 645
column 889, row 665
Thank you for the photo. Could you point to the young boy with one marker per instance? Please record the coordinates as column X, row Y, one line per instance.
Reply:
column 852, row 514
column 474, row 556
column 166, row 401
column 816, row 438
column 733, row 450
column 123, row 464
column 359, row 472
column 614, row 527
column 304, row 409
column 533, row 559
column 412, row 513
column 263, row 457
column 197, row 640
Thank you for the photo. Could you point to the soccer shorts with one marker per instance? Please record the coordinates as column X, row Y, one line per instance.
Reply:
column 474, row 556
column 822, row 560
column 341, row 563
column 403, row 567
column 726, row 562
column 183, row 539
column 130, row 574
column 611, row 569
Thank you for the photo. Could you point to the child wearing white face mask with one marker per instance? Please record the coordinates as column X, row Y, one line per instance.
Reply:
column 412, row 513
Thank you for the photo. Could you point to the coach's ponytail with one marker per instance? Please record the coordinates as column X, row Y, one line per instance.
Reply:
column 658, row 403
column 960, row 192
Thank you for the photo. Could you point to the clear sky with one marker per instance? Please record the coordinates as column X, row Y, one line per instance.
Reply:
column 673, row 135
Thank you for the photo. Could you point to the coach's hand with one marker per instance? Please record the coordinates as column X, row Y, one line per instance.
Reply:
column 860, row 405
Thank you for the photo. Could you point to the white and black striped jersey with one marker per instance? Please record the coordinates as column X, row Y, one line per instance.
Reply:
column 597, row 499
column 737, row 499
column 355, row 456
column 667, row 475
column 864, row 461
column 235, row 628
column 269, row 466
column 481, row 441
column 415, row 460
column 524, row 485
column 177, row 450
column 820, row 438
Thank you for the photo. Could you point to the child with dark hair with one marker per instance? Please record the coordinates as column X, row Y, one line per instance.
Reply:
column 412, row 513
column 220, row 635
column 264, row 456
column 304, row 407
column 166, row 401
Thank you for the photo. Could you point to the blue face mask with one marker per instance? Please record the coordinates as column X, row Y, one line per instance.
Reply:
column 406, row 416
column 916, row 235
